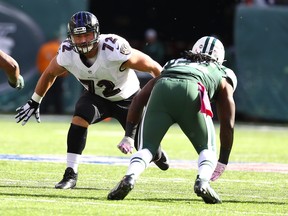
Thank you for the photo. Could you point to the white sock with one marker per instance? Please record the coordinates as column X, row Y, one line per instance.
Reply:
column 73, row 161
column 139, row 162
column 207, row 162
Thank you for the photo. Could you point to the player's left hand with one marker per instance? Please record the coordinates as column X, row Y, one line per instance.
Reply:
column 27, row 110
column 126, row 145
column 220, row 168
column 20, row 83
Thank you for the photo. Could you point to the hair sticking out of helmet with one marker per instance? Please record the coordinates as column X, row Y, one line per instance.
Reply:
column 210, row 46
column 81, row 23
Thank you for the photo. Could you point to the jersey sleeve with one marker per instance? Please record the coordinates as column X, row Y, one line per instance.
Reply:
column 230, row 75
column 64, row 54
column 122, row 48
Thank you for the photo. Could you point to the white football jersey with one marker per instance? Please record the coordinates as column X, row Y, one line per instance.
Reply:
column 104, row 77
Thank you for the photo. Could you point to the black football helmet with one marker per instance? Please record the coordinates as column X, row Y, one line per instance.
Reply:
column 81, row 23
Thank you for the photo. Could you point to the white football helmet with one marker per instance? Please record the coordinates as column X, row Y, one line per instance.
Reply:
column 210, row 46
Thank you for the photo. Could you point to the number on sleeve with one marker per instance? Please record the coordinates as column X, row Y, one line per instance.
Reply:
column 106, row 45
column 65, row 47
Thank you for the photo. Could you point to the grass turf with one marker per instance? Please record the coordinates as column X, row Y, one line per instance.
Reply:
column 27, row 188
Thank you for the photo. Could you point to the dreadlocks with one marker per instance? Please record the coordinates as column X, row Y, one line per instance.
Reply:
column 199, row 57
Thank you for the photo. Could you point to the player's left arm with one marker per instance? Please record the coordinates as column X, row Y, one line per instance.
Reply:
column 141, row 62
column 226, row 113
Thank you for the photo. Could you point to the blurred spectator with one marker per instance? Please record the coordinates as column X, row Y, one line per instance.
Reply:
column 53, row 101
column 153, row 47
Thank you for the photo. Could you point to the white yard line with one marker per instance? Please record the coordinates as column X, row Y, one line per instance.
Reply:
column 179, row 164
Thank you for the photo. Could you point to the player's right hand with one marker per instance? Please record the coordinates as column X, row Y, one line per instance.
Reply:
column 126, row 145
column 27, row 110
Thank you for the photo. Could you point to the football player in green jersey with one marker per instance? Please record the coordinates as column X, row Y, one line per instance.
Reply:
column 183, row 94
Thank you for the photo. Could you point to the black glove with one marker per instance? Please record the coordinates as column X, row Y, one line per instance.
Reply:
column 27, row 110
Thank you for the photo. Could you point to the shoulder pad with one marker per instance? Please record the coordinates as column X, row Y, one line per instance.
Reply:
column 231, row 76
column 120, row 47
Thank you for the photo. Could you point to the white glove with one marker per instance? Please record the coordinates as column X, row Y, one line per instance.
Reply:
column 19, row 83
column 126, row 145
column 27, row 110
column 220, row 168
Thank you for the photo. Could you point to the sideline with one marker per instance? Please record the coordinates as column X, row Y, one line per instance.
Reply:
column 124, row 161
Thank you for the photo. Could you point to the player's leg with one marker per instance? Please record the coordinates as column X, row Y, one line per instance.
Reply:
column 85, row 113
column 142, row 158
column 155, row 123
column 199, row 129
column 119, row 112
column 160, row 158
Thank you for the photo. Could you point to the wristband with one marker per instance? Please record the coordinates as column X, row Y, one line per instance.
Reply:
column 224, row 155
column 130, row 130
column 37, row 98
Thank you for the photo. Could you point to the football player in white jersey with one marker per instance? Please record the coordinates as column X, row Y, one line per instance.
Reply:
column 104, row 64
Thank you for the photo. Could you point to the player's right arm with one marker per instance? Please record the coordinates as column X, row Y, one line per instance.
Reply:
column 43, row 85
column 48, row 77
column 226, row 114
column 139, row 102
column 134, row 116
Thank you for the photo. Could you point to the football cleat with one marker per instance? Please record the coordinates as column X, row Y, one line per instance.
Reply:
column 121, row 190
column 163, row 162
column 204, row 190
column 69, row 180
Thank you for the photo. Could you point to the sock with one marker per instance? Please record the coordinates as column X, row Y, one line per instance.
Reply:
column 139, row 162
column 207, row 162
column 73, row 161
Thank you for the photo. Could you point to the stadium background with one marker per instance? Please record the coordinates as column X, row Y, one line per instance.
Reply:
column 255, row 39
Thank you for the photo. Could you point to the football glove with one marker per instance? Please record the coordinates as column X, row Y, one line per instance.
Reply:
column 27, row 110
column 126, row 145
column 19, row 83
column 220, row 168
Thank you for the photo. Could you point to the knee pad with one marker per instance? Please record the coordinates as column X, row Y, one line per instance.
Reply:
column 89, row 112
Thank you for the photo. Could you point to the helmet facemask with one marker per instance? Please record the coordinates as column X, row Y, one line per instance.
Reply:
column 83, row 47
column 81, row 23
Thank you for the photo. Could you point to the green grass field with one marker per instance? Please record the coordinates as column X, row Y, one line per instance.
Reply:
column 27, row 187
